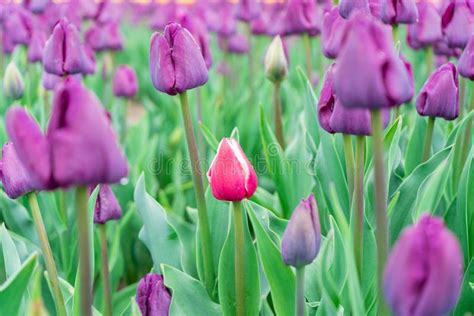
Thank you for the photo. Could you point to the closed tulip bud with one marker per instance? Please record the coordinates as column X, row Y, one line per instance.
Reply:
column 79, row 148
column 424, row 270
column 399, row 11
column 335, row 118
column 439, row 96
column 153, row 298
column 441, row 48
column 221, row 18
column 368, row 50
column 235, row 43
column 125, row 83
column 106, row 206
column 197, row 27
column 19, row 25
column 13, row 85
column 332, row 32
column 299, row 16
column 302, row 237
column 466, row 61
column 63, row 52
column 15, row 179
column 347, row 7
column 105, row 37
column 428, row 28
column 247, row 10
column 231, row 176
column 457, row 23
column 35, row 47
column 176, row 62
column 276, row 65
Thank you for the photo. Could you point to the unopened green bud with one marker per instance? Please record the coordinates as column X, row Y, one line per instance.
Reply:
column 13, row 82
column 276, row 65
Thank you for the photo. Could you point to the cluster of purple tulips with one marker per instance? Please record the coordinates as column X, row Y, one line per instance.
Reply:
column 361, row 92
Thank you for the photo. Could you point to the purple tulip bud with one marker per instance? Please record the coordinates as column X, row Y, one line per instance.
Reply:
column 247, row 10
column 36, row 45
column 441, row 48
column 63, row 53
column 236, row 44
column 107, row 11
column 424, row 270
column 164, row 13
column 13, row 85
column 222, row 19
column 335, row 118
column 299, row 16
column 197, row 27
column 332, row 32
column 153, row 298
column 439, row 96
column 347, row 7
column 16, row 180
column 399, row 11
column 106, row 36
column 19, row 25
column 263, row 24
column 7, row 44
column 367, row 50
column 427, row 30
column 125, row 83
column 466, row 61
column 107, row 206
column 302, row 237
column 79, row 148
column 457, row 23
column 176, row 62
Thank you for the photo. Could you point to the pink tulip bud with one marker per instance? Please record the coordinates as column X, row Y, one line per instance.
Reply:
column 231, row 176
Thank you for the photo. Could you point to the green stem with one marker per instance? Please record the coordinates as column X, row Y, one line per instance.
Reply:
column 239, row 258
column 309, row 66
column 84, row 250
column 349, row 156
column 429, row 59
column 204, row 231
column 48, row 255
column 395, row 33
column 359, row 204
column 278, row 115
column 251, row 68
column 380, row 205
column 105, row 271
column 462, row 96
column 300, row 300
column 428, row 138
column 200, row 138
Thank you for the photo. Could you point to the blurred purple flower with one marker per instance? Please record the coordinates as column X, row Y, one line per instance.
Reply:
column 427, row 30
column 466, row 61
column 332, row 32
column 153, row 298
column 347, row 7
column 107, row 36
column 457, row 23
column 248, row 10
column 36, row 46
column 399, row 11
column 107, row 206
column 236, row 43
column 125, row 82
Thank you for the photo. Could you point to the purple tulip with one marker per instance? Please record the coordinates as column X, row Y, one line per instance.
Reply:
column 79, row 148
column 36, row 46
column 197, row 27
column 125, row 83
column 427, row 30
column 299, row 16
column 466, row 61
column 368, row 51
column 302, row 237
column 347, row 7
column 153, row 298
column 101, row 37
column 107, row 11
column 424, row 270
column 163, row 14
column 221, row 18
column 335, row 118
column 332, row 32
column 176, row 62
column 15, row 178
column 19, row 25
column 457, row 23
column 35, row 6
column 439, row 96
column 236, row 43
column 263, row 24
column 7, row 44
column 63, row 52
column 441, row 48
column 107, row 206
column 90, row 63
column 399, row 11
column 248, row 10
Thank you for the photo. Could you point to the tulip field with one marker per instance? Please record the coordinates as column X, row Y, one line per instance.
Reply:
column 237, row 158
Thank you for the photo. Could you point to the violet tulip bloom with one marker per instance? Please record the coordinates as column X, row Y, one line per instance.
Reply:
column 15, row 178
column 197, row 27
column 107, row 206
column 153, row 298
column 19, row 25
column 424, row 270
column 231, row 176
column 302, row 237
column 221, row 18
column 457, row 23
column 36, row 46
column 441, row 48
column 125, row 83
column 439, row 96
column 347, row 7
column 368, row 51
column 299, row 16
column 399, row 11
column 248, row 10
column 466, row 61
column 427, row 30
column 101, row 37
column 79, row 147
column 332, row 32
column 176, row 62
column 63, row 52
column 335, row 118
column 236, row 43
